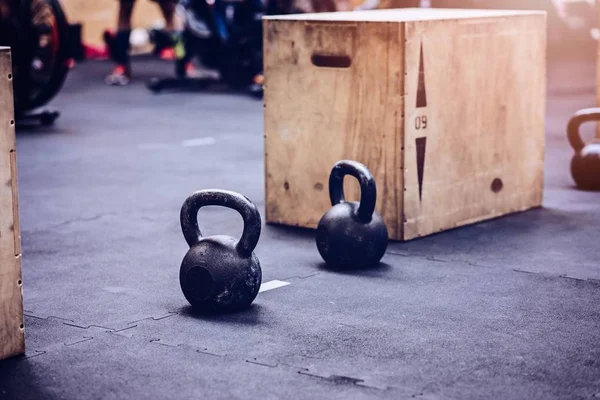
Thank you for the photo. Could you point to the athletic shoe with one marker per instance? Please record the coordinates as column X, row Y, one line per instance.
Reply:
column 120, row 76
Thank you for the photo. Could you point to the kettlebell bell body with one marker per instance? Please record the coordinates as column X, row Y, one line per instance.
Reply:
column 351, row 235
column 220, row 273
column 585, row 166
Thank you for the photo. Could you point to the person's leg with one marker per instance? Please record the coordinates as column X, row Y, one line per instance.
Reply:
column 168, row 10
column 125, row 12
column 166, row 39
column 123, row 32
column 121, row 75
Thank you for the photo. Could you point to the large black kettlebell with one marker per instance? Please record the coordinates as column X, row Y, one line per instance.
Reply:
column 352, row 235
column 220, row 273
column 585, row 166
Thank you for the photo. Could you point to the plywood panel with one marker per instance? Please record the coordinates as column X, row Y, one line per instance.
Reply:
column 315, row 116
column 11, row 296
column 98, row 15
column 481, row 150
column 445, row 107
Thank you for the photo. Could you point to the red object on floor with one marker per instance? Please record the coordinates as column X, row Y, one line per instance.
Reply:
column 168, row 53
column 190, row 68
column 95, row 52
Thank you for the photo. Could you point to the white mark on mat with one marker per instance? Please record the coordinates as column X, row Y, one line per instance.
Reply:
column 115, row 289
column 204, row 141
column 152, row 146
column 272, row 285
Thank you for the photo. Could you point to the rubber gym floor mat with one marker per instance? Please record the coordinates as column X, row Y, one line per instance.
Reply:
column 50, row 335
column 438, row 328
column 112, row 224
column 448, row 317
column 120, row 241
column 114, row 367
column 553, row 241
column 139, row 280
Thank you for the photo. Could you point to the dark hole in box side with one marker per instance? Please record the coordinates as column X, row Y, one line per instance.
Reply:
column 331, row 61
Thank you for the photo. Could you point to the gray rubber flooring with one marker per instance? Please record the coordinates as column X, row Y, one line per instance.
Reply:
column 505, row 309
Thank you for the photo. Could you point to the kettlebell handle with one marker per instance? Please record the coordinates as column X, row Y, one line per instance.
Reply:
column 578, row 119
column 225, row 198
column 368, row 189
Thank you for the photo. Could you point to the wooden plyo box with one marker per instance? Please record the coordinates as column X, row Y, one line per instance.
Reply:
column 445, row 107
column 12, row 339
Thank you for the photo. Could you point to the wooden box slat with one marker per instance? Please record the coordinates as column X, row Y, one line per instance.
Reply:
column 12, row 340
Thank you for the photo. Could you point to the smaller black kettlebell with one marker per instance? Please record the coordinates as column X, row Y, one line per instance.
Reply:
column 352, row 235
column 585, row 166
column 220, row 273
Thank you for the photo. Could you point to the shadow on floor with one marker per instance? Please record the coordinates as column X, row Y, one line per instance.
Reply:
column 250, row 316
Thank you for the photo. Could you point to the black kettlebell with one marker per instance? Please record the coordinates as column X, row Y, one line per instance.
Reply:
column 352, row 235
column 220, row 273
column 585, row 166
